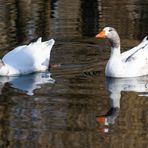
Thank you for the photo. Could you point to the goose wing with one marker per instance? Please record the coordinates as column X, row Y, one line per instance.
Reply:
column 136, row 52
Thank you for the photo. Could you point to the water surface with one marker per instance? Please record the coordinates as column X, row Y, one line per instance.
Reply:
column 73, row 105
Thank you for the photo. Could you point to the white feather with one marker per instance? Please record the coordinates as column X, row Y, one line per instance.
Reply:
column 27, row 58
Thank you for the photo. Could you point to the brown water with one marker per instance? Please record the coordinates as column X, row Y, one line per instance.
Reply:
column 68, row 108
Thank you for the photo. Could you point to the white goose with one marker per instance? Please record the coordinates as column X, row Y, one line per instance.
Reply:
column 27, row 58
column 132, row 63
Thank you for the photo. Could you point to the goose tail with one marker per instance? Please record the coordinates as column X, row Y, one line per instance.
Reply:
column 50, row 42
column 145, row 39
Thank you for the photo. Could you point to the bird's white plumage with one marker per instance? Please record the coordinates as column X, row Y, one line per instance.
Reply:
column 132, row 63
column 27, row 58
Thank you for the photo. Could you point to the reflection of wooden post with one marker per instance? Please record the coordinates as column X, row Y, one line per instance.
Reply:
column 7, row 29
column 89, row 17
column 121, row 15
column 32, row 19
column 66, row 14
column 143, row 21
column 4, row 118
column 43, row 21
column 2, row 29
column 22, row 10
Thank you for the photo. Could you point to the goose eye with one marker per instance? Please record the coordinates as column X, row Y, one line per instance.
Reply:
column 110, row 30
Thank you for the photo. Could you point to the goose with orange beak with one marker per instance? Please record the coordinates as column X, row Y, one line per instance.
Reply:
column 132, row 63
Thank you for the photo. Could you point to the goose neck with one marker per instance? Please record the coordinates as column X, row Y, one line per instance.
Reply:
column 115, row 51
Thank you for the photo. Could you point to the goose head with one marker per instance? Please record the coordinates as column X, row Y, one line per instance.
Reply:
column 112, row 35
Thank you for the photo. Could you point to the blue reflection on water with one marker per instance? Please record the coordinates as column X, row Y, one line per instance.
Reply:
column 27, row 83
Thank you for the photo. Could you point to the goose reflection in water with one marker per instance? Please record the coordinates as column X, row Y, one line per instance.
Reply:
column 27, row 83
column 115, row 86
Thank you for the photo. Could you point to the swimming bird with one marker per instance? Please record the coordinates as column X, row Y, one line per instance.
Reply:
column 26, row 59
column 132, row 63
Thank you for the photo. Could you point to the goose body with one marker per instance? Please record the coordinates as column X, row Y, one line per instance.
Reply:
column 27, row 58
column 132, row 63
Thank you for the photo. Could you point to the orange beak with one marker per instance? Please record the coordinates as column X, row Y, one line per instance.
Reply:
column 101, row 35
column 101, row 120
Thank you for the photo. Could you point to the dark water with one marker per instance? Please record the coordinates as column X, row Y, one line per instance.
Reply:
column 71, row 106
